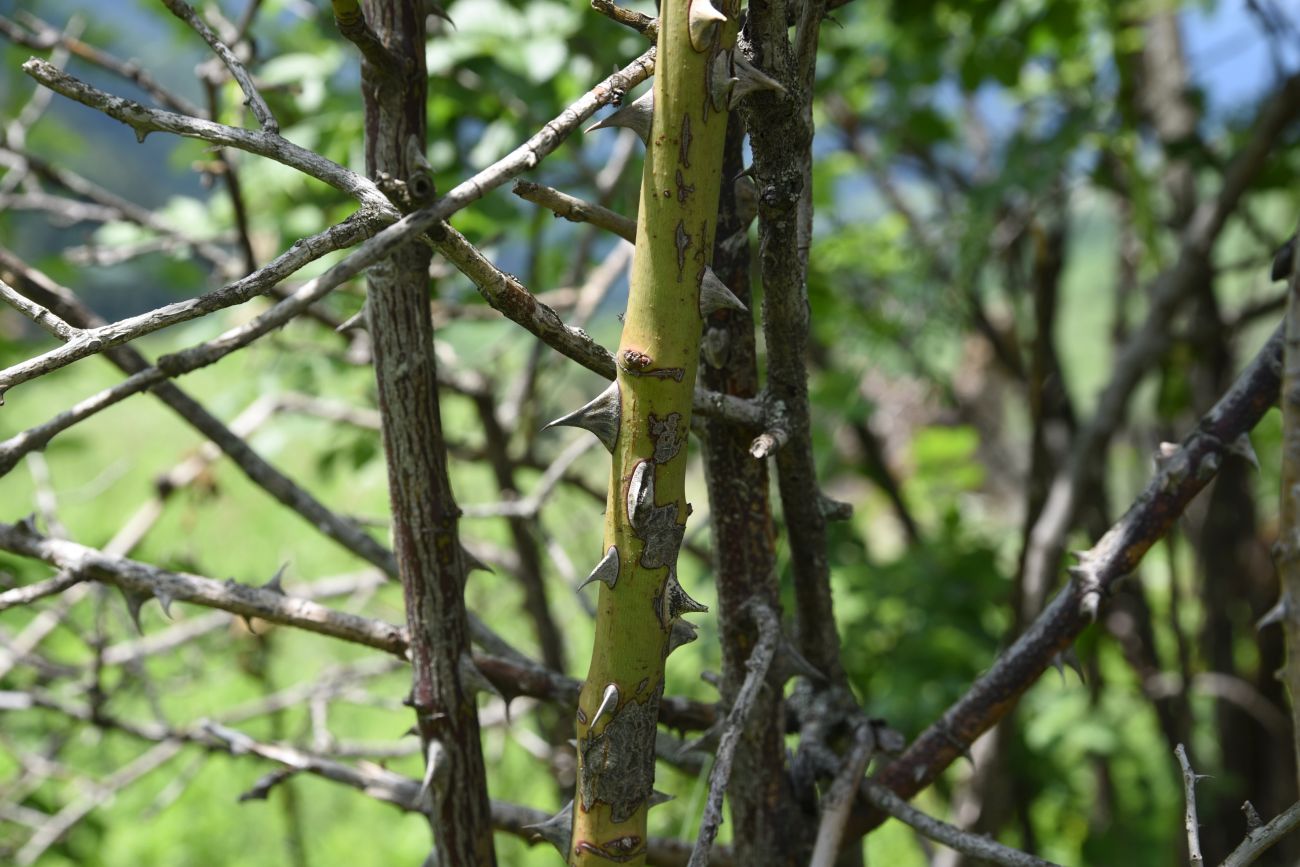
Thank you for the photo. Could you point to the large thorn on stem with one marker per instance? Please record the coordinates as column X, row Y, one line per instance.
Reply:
column 556, row 830
column 606, row 570
column 702, row 23
column 600, row 416
column 635, row 115
column 715, row 296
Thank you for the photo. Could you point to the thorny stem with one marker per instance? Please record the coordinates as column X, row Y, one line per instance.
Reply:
column 511, row 676
column 640, row 597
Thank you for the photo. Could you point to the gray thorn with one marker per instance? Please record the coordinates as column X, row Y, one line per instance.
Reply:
column 556, row 830
column 715, row 296
column 275, row 585
column 608, row 704
column 358, row 321
column 1242, row 448
column 165, row 600
column 1068, row 658
column 635, row 115
column 702, row 22
column 640, row 494
column 678, row 601
column 789, row 663
column 134, row 601
column 600, row 416
column 435, row 770
column 1276, row 614
column 606, row 570
column 751, row 79
column 473, row 563
column 683, row 632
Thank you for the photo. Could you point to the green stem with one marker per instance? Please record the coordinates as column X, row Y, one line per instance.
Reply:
column 640, row 598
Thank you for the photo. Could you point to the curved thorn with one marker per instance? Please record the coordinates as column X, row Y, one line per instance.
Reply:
column 275, row 585
column 606, row 570
column 556, row 830
column 600, row 416
column 702, row 22
column 472, row 678
column 683, row 632
column 473, row 563
column 675, row 601
column 434, row 780
column 715, row 296
column 640, row 495
column 635, row 115
column 751, row 79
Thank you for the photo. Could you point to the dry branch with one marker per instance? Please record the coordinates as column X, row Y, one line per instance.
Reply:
column 91, row 341
column 760, row 660
column 576, row 210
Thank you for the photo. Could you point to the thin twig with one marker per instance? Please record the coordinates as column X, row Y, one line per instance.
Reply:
column 118, row 208
column 1117, row 554
column 145, row 120
column 941, row 832
column 509, row 671
column 1190, row 823
column 59, row 824
column 38, row 314
column 30, row 593
column 1148, row 343
column 142, row 580
column 279, row 486
column 261, row 111
column 643, row 24
column 507, row 294
column 1258, row 840
column 531, row 505
column 838, row 800
column 92, row 341
column 46, row 37
column 575, row 209
column 760, row 660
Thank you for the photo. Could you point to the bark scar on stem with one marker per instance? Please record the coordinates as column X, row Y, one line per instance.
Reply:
column 684, row 148
column 635, row 363
column 666, row 434
column 683, row 240
column 620, row 774
column 656, row 526
column 620, row 850
column 684, row 189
